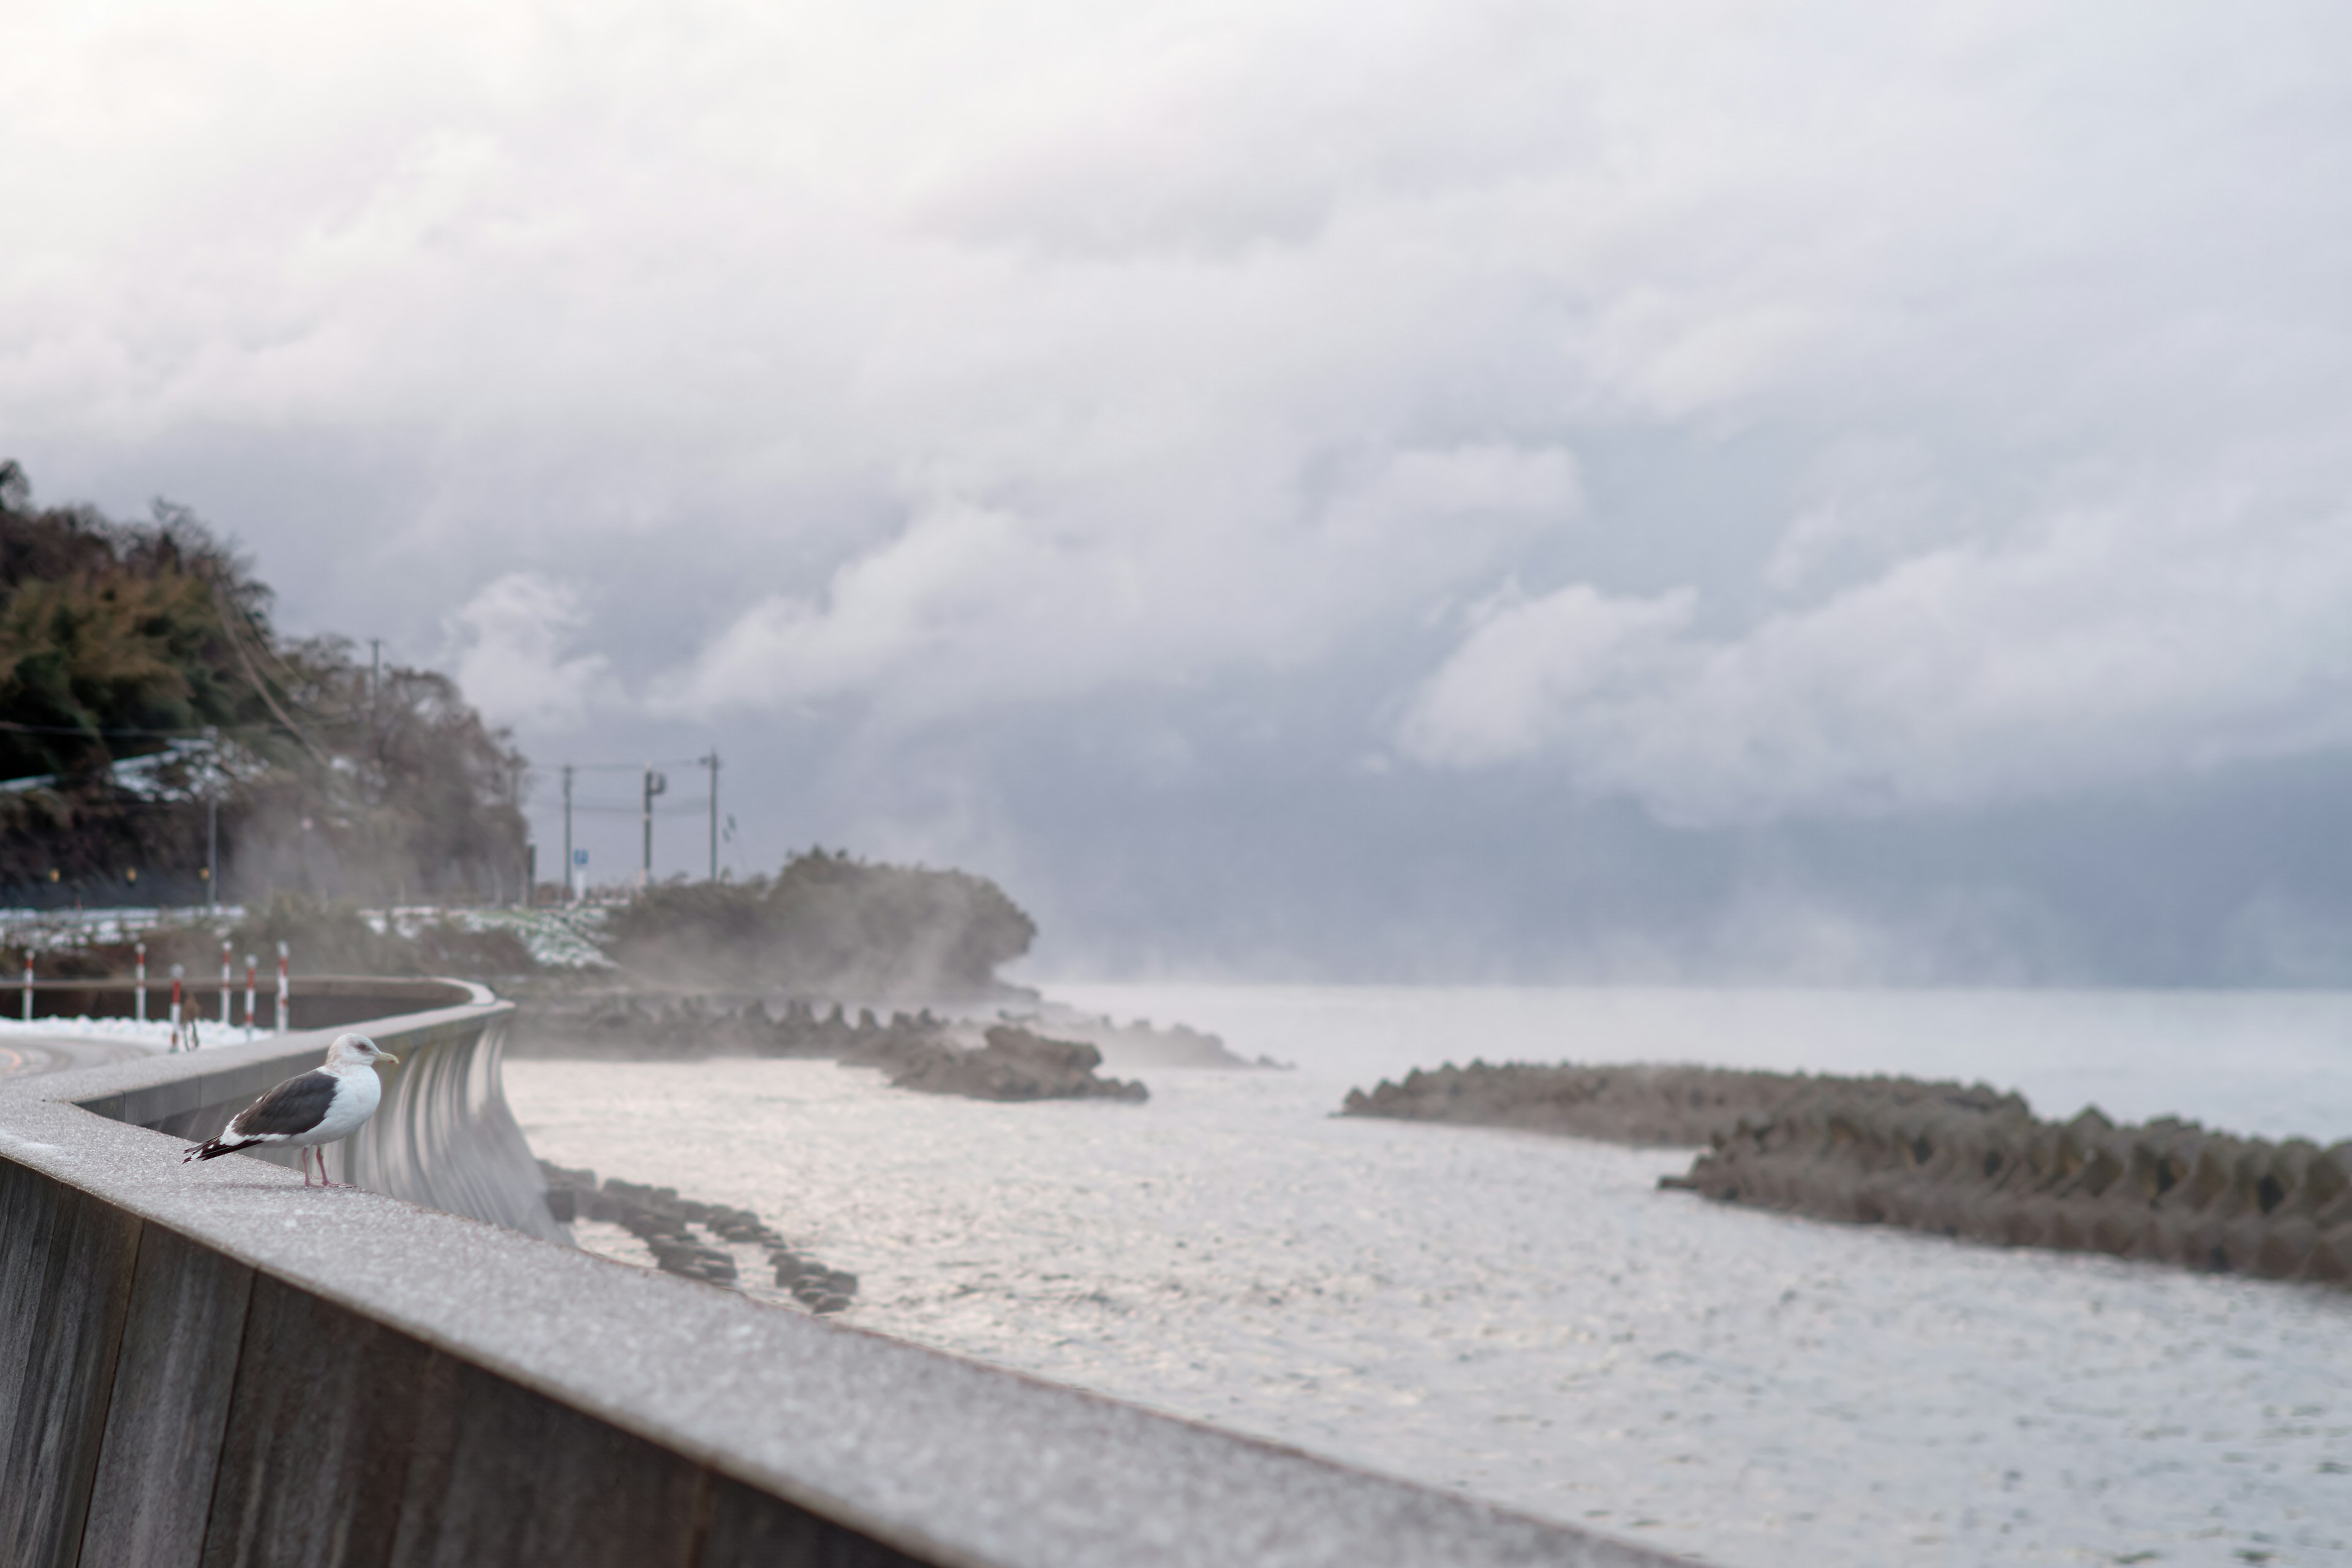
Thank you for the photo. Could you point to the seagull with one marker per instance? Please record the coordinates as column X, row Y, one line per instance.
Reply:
column 318, row 1107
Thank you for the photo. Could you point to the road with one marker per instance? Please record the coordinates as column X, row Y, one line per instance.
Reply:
column 23, row 1055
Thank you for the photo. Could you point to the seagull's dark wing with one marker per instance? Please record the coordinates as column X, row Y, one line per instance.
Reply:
column 295, row 1106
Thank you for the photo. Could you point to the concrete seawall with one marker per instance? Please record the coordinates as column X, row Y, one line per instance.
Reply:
column 444, row 1136
column 212, row 1364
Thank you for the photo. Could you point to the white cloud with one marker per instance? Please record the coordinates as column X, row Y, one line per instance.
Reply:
column 511, row 649
column 974, row 606
column 2107, row 645
column 1531, row 668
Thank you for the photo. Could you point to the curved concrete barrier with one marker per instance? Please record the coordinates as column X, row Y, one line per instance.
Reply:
column 212, row 1364
column 444, row 1136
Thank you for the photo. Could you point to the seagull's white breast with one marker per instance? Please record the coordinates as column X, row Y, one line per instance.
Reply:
column 357, row 1095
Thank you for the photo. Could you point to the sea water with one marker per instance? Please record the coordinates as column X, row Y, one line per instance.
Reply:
column 1530, row 1320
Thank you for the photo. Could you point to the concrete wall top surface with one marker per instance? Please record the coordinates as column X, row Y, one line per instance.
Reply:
column 948, row 1461
column 145, row 1088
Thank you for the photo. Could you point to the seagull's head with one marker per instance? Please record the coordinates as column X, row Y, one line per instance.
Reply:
column 358, row 1051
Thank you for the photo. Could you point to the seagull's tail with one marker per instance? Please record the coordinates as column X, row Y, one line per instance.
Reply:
column 226, row 1144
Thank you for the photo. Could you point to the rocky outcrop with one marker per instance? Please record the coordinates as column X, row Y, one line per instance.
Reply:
column 825, row 925
column 1013, row 1065
column 916, row 1050
column 1138, row 1044
column 1953, row 1160
column 666, row 1224
column 637, row 1026
column 1677, row 1107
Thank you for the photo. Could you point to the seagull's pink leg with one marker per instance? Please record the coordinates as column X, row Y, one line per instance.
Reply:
column 306, row 1165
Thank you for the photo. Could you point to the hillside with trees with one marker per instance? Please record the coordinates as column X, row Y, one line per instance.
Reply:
column 146, row 700
column 144, row 691
column 827, row 924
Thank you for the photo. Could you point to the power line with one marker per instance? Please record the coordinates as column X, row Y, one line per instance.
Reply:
column 655, row 782
column 12, row 726
column 633, row 767
column 692, row 808
column 229, row 627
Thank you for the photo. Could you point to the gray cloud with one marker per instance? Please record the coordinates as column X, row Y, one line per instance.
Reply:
column 1764, row 415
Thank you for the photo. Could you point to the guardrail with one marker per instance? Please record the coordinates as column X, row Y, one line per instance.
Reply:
column 213, row 1365
column 320, row 1001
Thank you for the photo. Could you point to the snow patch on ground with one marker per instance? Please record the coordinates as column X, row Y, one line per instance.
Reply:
column 44, row 929
column 130, row 1031
column 558, row 938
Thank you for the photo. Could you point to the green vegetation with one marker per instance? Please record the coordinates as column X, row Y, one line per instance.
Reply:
column 127, row 641
column 826, row 925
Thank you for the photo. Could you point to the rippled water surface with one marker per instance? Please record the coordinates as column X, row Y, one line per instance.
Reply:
column 1530, row 1319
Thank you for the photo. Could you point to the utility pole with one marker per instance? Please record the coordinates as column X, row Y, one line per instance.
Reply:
column 212, row 818
column 711, row 761
column 529, row 850
column 567, row 833
column 376, row 699
column 655, row 784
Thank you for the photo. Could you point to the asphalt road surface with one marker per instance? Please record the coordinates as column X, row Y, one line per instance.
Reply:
column 38, row 1053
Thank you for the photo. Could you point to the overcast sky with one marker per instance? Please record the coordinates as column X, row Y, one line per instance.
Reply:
column 1660, row 489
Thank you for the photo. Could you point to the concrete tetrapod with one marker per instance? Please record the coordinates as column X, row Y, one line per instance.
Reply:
column 1963, row 1160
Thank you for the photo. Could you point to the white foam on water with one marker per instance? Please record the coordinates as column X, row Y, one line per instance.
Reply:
column 1528, row 1319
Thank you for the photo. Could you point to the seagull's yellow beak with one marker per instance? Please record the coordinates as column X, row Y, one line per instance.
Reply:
column 388, row 1057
